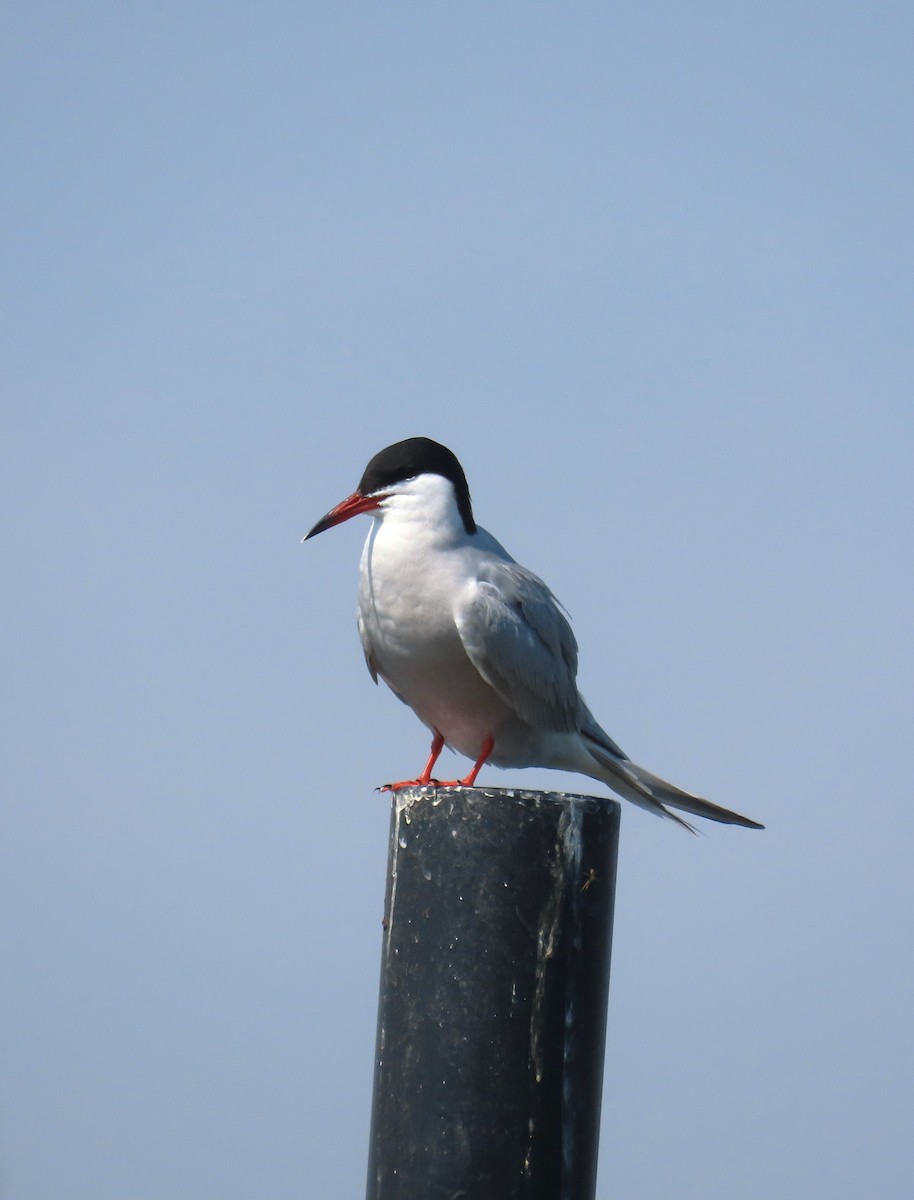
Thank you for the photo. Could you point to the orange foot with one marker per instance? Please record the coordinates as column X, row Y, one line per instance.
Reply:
column 425, row 779
column 405, row 783
column 435, row 783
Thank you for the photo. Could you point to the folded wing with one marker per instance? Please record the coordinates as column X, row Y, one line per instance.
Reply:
column 517, row 637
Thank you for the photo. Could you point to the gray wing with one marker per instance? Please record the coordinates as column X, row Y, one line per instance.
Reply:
column 369, row 658
column 366, row 647
column 518, row 639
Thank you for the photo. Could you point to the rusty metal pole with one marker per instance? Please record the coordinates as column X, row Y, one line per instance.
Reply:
column 493, row 997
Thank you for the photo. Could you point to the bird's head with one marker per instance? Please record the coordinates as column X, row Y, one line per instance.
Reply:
column 416, row 472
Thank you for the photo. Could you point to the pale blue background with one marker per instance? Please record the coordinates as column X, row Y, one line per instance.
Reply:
column 647, row 268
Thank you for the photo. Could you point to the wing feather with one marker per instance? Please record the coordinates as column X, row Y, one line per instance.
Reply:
column 370, row 663
column 517, row 637
column 366, row 647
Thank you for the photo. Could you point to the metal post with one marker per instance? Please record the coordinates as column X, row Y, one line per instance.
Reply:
column 494, row 985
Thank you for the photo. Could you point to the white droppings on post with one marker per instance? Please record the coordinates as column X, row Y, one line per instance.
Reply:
column 403, row 803
column 571, row 837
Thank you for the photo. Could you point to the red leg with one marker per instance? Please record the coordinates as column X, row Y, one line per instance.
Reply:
column 437, row 747
column 426, row 776
column 487, row 747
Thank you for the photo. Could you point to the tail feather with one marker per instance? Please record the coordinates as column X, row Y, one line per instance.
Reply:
column 668, row 793
column 649, row 791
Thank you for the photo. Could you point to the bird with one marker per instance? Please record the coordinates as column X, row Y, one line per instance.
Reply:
column 474, row 643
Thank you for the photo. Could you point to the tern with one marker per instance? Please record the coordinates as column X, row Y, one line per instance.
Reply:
column 474, row 643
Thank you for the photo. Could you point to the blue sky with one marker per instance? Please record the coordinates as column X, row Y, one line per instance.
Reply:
column 647, row 269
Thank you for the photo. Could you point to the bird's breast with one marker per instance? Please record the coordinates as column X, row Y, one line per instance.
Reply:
column 407, row 603
column 407, row 606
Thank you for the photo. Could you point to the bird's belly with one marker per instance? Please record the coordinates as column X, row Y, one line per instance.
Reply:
column 445, row 690
column 417, row 650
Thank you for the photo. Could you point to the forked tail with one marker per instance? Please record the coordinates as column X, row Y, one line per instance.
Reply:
column 649, row 791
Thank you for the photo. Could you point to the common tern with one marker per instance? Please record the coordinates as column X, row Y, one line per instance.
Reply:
column 474, row 643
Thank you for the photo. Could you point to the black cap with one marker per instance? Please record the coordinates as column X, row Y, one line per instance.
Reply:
column 418, row 456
